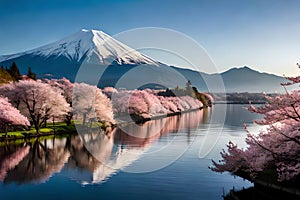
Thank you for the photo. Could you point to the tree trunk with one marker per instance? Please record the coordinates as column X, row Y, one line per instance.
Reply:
column 37, row 127
column 6, row 130
column 84, row 118
column 68, row 119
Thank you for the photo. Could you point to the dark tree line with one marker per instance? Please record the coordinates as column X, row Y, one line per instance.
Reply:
column 14, row 71
column 188, row 90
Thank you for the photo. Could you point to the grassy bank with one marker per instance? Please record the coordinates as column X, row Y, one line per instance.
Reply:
column 50, row 129
column 59, row 128
column 21, row 140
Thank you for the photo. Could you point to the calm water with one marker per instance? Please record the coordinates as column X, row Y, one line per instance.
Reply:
column 162, row 159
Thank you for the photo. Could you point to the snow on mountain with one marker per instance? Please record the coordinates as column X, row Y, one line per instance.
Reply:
column 85, row 43
column 64, row 57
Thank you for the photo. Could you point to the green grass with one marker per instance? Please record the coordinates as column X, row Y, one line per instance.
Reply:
column 57, row 127
column 51, row 128
column 18, row 137
column 21, row 141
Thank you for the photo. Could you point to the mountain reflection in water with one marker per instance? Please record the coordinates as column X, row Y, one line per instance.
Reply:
column 104, row 153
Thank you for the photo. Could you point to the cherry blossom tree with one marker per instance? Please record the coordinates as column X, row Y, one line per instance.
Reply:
column 65, row 87
column 108, row 91
column 120, row 101
column 193, row 102
column 10, row 116
column 90, row 103
column 148, row 103
column 277, row 147
column 103, row 107
column 8, row 90
column 145, row 104
column 137, row 104
column 233, row 161
column 168, row 104
column 37, row 101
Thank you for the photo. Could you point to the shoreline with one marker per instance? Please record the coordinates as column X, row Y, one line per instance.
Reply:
column 140, row 120
column 277, row 186
column 235, row 102
column 4, row 139
column 136, row 119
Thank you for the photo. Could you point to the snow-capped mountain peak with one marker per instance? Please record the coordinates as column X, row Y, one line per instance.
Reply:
column 85, row 43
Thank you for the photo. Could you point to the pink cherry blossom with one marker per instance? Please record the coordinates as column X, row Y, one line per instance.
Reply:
column 37, row 101
column 277, row 147
column 147, row 103
column 90, row 103
column 65, row 87
column 10, row 115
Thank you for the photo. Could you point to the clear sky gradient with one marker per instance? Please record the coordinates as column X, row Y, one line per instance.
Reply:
column 262, row 34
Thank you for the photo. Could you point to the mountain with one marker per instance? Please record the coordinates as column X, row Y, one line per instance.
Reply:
column 237, row 79
column 61, row 58
column 127, row 68
column 82, row 44
column 243, row 79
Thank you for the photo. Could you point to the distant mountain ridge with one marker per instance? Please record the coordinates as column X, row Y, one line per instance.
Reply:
column 243, row 79
column 236, row 79
column 64, row 57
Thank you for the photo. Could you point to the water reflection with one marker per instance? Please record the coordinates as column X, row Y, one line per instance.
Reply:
column 10, row 157
column 143, row 135
column 236, row 115
column 92, row 157
column 42, row 160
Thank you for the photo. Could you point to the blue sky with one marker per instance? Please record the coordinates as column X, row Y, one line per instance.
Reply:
column 262, row 34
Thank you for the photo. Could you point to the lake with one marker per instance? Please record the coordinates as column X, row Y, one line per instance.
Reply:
column 162, row 159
